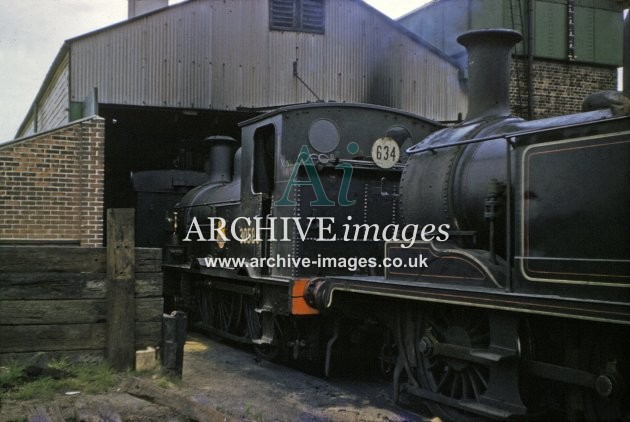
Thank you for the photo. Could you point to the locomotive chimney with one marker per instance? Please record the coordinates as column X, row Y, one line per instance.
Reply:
column 220, row 159
column 489, row 61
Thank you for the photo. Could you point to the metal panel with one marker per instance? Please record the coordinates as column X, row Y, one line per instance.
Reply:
column 52, row 108
column 458, row 18
column 584, row 34
column 28, row 127
column 515, row 17
column 440, row 23
column 598, row 25
column 487, row 14
column 615, row 5
column 221, row 55
column 156, row 60
column 432, row 27
column 550, row 25
column 608, row 36
column 612, row 5
column 598, row 35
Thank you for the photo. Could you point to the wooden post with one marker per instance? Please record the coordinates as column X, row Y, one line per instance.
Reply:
column 120, row 288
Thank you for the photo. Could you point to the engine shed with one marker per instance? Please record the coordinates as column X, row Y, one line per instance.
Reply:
column 165, row 80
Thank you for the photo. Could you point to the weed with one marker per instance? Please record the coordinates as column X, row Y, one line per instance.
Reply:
column 91, row 378
column 10, row 375
column 19, row 419
column 166, row 379
column 62, row 363
column 42, row 388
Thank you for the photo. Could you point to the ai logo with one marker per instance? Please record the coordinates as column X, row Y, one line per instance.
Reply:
column 305, row 159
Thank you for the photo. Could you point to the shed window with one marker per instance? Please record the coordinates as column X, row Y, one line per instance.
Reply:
column 297, row 15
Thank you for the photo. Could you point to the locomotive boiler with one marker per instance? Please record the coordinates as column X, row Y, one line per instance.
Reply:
column 519, row 305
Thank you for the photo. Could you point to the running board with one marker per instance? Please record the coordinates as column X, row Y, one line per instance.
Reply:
column 478, row 408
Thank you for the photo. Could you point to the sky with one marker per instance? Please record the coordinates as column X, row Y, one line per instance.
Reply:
column 33, row 31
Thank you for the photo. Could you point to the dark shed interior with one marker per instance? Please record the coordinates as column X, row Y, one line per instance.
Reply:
column 141, row 139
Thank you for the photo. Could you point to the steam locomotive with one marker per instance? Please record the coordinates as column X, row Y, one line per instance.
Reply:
column 511, row 300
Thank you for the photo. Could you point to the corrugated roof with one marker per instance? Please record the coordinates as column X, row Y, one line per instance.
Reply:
column 129, row 33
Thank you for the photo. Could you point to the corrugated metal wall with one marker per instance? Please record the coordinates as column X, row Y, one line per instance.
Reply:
column 29, row 127
column 51, row 110
column 220, row 54
column 598, row 26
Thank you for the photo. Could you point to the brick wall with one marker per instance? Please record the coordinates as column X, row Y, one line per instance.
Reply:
column 51, row 185
column 559, row 87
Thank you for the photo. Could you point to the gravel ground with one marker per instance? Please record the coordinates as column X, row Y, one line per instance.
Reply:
column 246, row 388
column 242, row 387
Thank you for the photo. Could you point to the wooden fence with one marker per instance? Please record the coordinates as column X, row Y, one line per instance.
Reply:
column 53, row 302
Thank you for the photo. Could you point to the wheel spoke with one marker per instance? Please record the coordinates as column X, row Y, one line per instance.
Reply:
column 473, row 384
column 481, row 377
column 465, row 391
column 223, row 317
column 454, row 384
column 458, row 379
column 445, row 376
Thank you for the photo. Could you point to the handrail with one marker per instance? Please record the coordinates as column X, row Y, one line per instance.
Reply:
column 413, row 150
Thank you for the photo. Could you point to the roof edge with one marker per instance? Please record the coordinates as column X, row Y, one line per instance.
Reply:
column 66, row 46
column 416, row 10
column 333, row 104
column 372, row 9
column 123, row 22
column 65, row 49
column 410, row 34
column 48, row 131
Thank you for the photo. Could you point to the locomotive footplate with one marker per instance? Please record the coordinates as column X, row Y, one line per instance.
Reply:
column 479, row 297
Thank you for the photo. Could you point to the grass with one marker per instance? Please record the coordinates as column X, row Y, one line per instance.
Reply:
column 9, row 375
column 88, row 378
column 43, row 388
column 166, row 379
column 165, row 382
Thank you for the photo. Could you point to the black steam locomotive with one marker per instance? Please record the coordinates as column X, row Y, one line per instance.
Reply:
column 489, row 264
